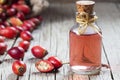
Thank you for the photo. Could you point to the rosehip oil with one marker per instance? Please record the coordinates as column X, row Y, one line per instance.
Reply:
column 85, row 41
column 85, row 52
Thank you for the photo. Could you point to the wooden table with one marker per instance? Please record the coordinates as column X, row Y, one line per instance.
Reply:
column 53, row 34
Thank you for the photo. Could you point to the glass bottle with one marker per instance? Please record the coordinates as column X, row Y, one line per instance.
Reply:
column 85, row 41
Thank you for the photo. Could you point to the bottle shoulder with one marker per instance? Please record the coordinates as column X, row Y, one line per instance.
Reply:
column 88, row 30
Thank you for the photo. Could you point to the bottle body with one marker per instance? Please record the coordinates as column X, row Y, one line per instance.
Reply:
column 85, row 51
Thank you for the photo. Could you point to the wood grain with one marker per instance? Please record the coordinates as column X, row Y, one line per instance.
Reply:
column 5, row 67
column 53, row 34
column 109, row 23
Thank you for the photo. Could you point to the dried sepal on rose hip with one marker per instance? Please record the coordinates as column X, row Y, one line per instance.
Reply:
column 55, row 61
column 38, row 51
column 44, row 66
column 19, row 67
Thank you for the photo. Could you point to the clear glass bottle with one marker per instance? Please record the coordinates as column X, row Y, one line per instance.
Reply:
column 85, row 47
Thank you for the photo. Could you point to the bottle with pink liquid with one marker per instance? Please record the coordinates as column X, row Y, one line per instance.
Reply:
column 85, row 41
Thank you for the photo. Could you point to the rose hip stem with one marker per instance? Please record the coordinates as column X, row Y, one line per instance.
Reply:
column 66, row 63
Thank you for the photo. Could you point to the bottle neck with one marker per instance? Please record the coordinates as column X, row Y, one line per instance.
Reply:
column 89, row 29
column 86, row 23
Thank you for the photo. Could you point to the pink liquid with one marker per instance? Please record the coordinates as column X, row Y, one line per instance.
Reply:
column 85, row 51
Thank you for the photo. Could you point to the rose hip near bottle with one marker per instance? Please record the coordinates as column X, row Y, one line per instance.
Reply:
column 85, row 41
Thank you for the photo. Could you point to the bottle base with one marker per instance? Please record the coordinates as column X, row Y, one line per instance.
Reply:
column 85, row 70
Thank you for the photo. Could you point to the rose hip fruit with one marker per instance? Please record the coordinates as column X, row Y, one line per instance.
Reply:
column 30, row 23
column 38, row 51
column 23, row 8
column 3, row 16
column 20, row 15
column 44, row 66
column 2, row 26
column 26, row 35
column 55, row 61
column 35, row 20
column 9, row 32
column 3, row 47
column 2, row 39
column 19, row 29
column 6, row 23
column 19, row 68
column 40, row 18
column 11, row 11
column 24, row 44
column 27, row 27
column 15, row 21
column 16, row 52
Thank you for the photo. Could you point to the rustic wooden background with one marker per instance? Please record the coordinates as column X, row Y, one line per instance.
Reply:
column 53, row 34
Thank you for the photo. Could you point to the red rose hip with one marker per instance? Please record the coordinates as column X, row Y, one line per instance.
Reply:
column 20, row 15
column 27, row 27
column 38, row 51
column 30, row 23
column 9, row 32
column 44, row 66
column 19, row 68
column 24, row 44
column 16, row 52
column 40, row 18
column 2, row 39
column 55, row 61
column 19, row 29
column 3, row 47
column 35, row 20
column 26, row 35
column 11, row 11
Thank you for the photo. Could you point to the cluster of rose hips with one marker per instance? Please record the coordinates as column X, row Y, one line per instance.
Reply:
column 48, row 65
column 10, row 8
column 11, row 11
column 13, row 23
column 11, row 32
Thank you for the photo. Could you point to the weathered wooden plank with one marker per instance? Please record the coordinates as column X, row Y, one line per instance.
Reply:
column 63, row 24
column 118, row 6
column 105, row 72
column 30, row 60
column 6, row 70
column 9, row 43
column 45, row 41
column 6, row 65
column 109, row 22
column 42, row 38
column 54, row 36
column 59, row 35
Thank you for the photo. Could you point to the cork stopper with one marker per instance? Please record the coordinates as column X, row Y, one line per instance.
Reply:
column 85, row 6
